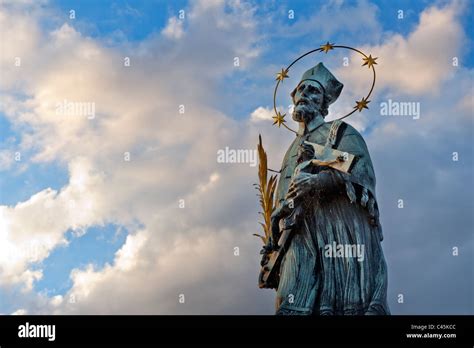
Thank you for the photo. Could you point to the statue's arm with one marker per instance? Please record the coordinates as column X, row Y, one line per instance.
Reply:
column 324, row 181
column 328, row 180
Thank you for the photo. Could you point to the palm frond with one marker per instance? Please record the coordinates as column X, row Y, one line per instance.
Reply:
column 261, row 237
column 266, row 191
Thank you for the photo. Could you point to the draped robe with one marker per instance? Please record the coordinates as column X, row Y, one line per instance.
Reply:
column 343, row 211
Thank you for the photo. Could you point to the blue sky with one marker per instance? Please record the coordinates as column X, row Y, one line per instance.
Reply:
column 134, row 19
column 96, row 247
column 137, row 20
column 133, row 223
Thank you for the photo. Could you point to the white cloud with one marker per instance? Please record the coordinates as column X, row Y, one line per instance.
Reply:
column 174, row 28
column 31, row 229
column 6, row 159
column 20, row 312
column 418, row 63
column 172, row 157
column 261, row 114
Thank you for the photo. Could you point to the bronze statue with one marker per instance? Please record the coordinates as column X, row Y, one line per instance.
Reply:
column 324, row 253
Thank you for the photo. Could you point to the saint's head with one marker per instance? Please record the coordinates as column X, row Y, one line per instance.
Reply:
column 317, row 89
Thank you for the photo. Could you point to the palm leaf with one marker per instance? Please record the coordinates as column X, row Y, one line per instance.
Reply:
column 261, row 237
column 266, row 191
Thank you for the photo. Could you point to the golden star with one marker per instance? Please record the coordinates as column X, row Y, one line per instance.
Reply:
column 362, row 104
column 282, row 75
column 327, row 47
column 279, row 119
column 369, row 61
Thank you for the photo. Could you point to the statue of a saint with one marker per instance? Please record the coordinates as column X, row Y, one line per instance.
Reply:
column 334, row 264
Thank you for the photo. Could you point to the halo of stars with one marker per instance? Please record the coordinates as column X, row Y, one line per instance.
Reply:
column 368, row 60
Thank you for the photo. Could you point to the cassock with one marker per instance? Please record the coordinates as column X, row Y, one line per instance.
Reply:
column 341, row 210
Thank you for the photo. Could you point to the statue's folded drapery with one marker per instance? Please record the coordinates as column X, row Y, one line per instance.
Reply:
column 342, row 210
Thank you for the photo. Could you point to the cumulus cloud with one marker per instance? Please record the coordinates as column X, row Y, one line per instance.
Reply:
column 261, row 114
column 414, row 161
column 31, row 229
column 20, row 312
column 171, row 157
column 174, row 28
column 422, row 61
column 6, row 159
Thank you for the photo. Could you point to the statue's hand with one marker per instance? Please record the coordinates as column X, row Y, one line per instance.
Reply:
column 275, row 224
column 305, row 152
column 265, row 252
column 301, row 185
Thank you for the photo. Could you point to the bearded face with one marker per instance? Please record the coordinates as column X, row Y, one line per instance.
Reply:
column 308, row 99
